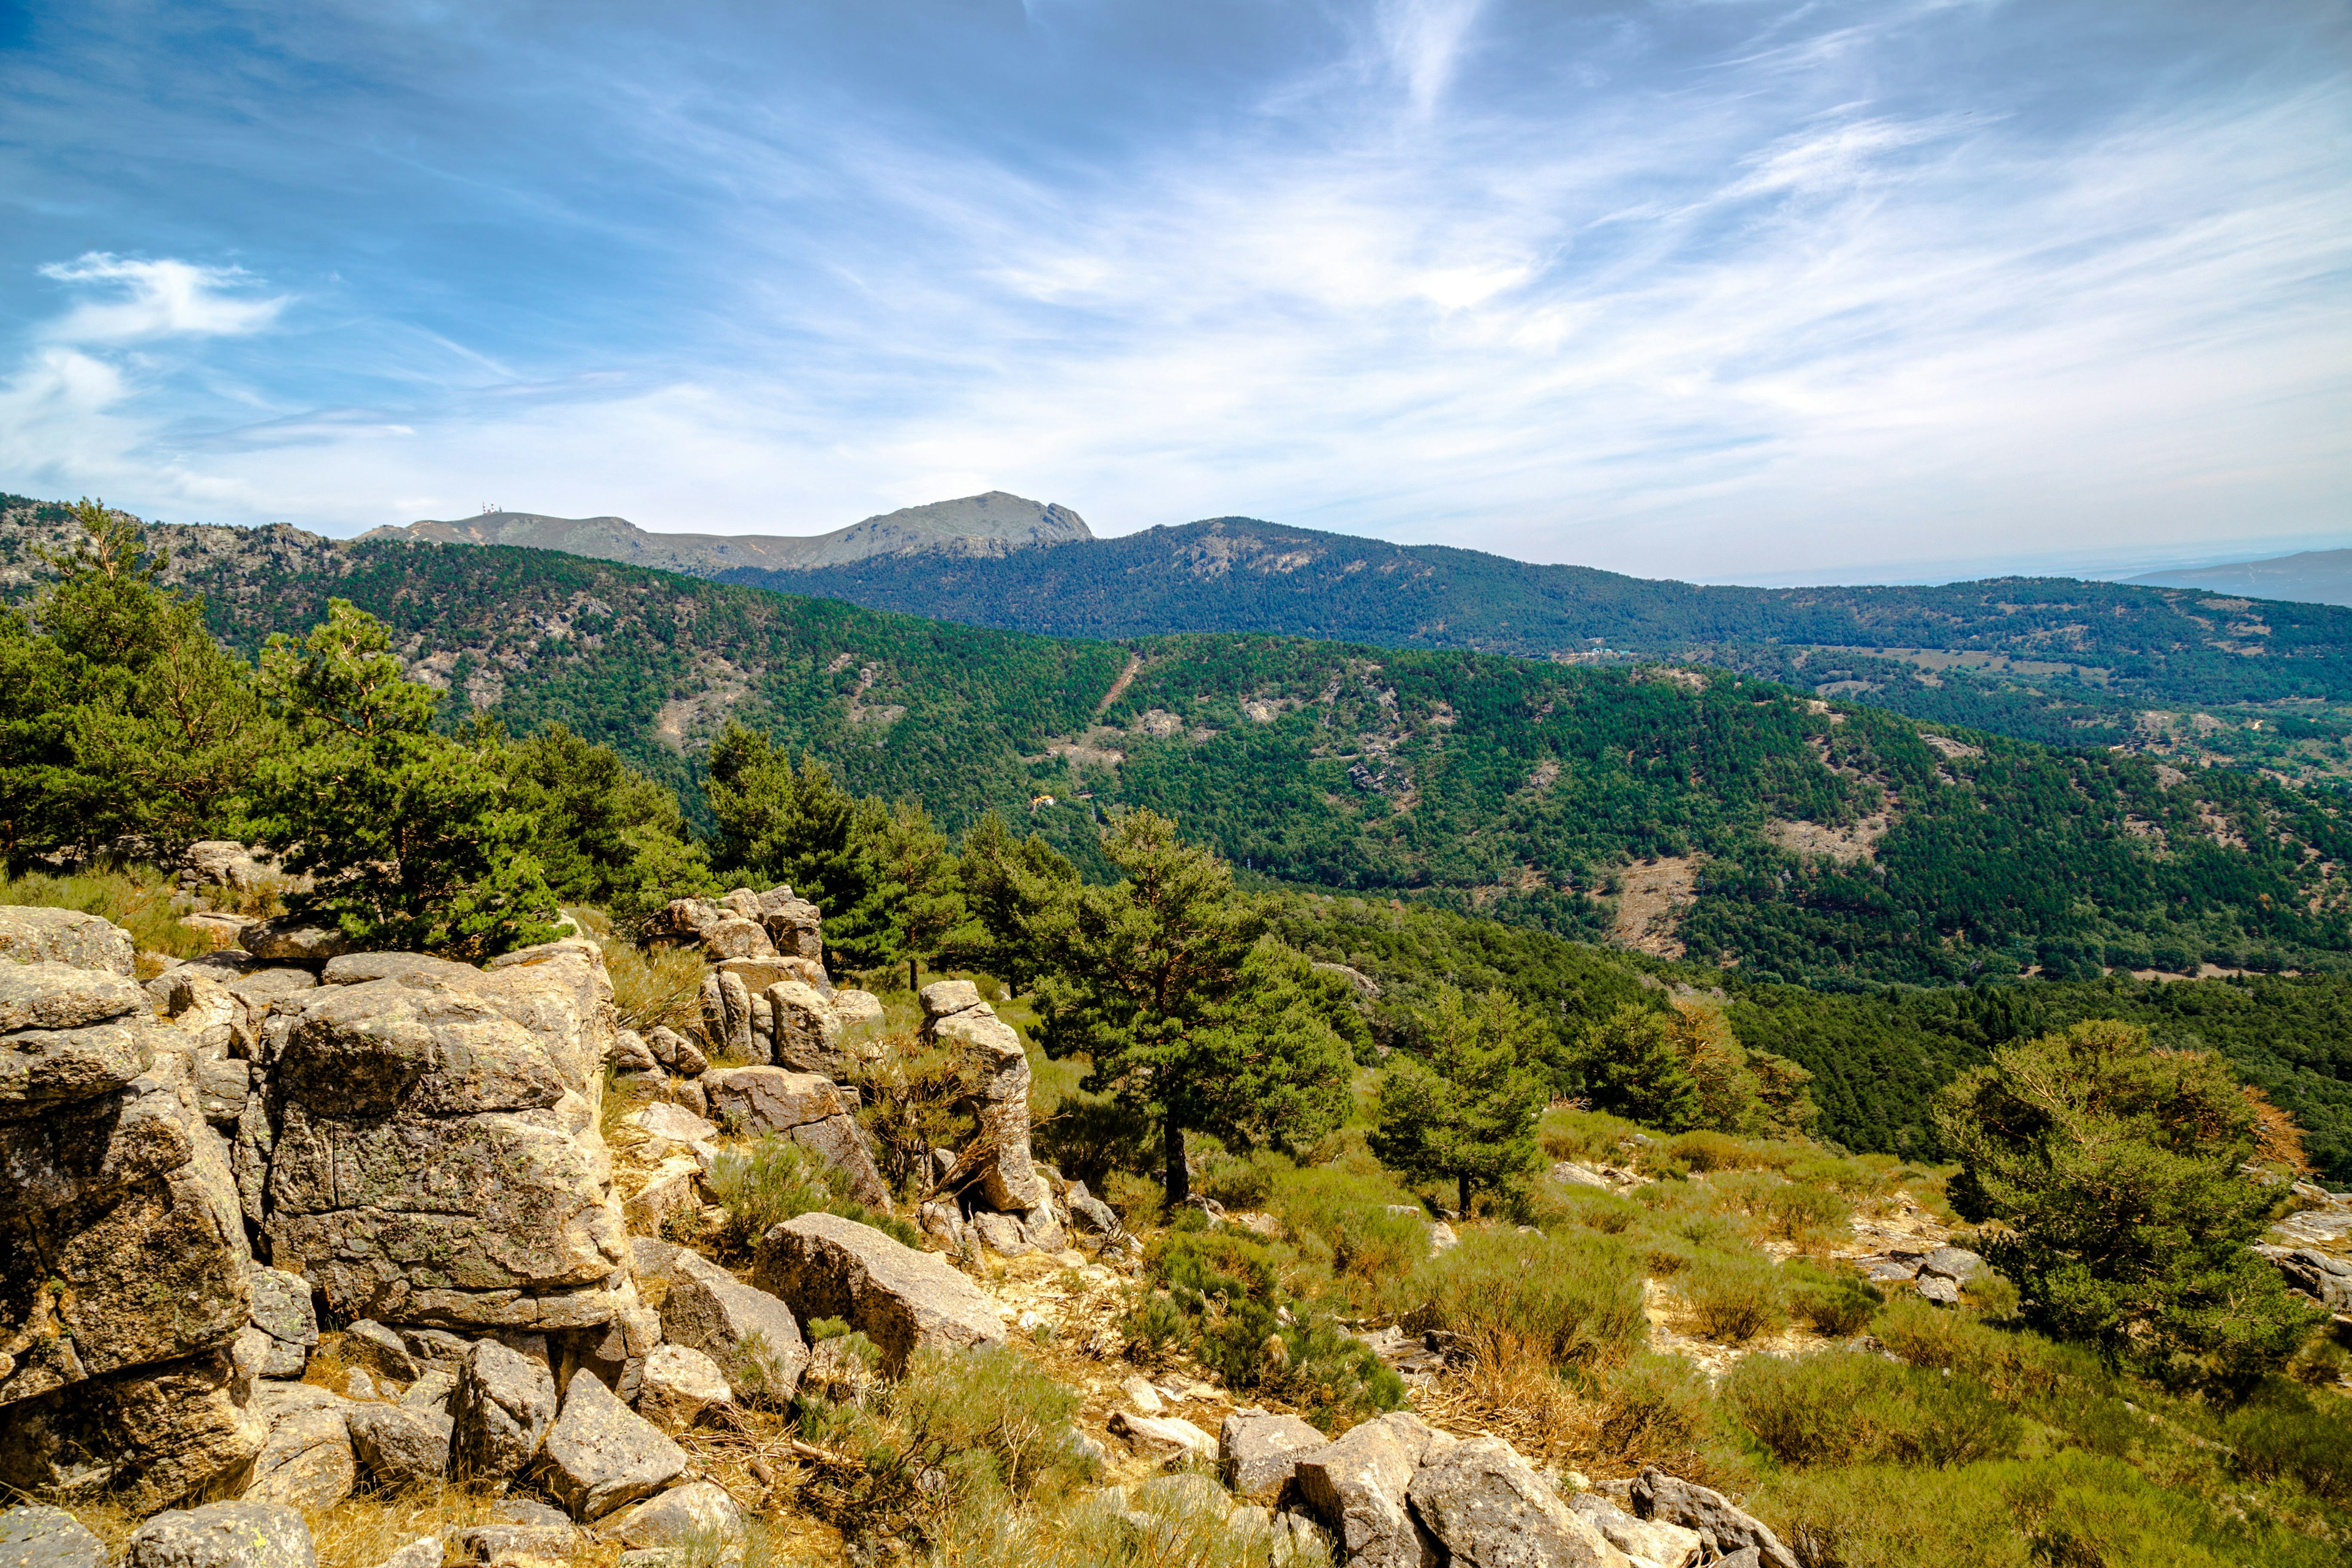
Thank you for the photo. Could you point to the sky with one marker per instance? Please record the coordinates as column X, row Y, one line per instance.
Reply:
column 1704, row 288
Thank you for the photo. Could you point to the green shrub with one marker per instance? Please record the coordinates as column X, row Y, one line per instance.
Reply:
column 2283, row 1433
column 1335, row 1380
column 1798, row 1212
column 1203, row 1266
column 1238, row 1182
column 1735, row 1296
column 1349, row 1214
column 776, row 1180
column 1889, row 1516
column 2017, row 1367
column 1848, row 1178
column 1584, row 1135
column 1837, row 1303
column 2078, row 1508
column 1596, row 1210
column 1152, row 1326
column 1848, row 1407
column 1091, row 1137
column 990, row 1413
column 1571, row 1299
column 1139, row 1201
column 1707, row 1150
column 139, row 899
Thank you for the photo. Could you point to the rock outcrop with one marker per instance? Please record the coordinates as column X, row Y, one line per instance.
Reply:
column 223, row 1535
column 32, row 935
column 750, row 1101
column 434, row 1149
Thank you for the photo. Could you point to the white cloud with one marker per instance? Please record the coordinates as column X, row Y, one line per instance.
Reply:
column 162, row 298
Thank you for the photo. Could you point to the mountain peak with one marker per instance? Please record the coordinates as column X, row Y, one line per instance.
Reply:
column 993, row 524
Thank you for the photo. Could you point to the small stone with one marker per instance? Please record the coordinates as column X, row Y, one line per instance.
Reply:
column 424, row 1551
column 223, row 1535
column 1940, row 1290
column 379, row 1350
column 400, row 1445
column 600, row 1455
column 305, row 1461
column 358, row 1385
column 1954, row 1263
column 677, row 1385
column 1162, row 1436
column 504, row 1403
column 33, row 1535
column 1142, row 1395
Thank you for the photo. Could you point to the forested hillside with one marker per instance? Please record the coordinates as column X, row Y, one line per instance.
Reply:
column 2052, row 659
column 1710, row 815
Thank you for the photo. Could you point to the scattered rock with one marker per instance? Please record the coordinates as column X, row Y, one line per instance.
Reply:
column 1488, row 1508
column 1163, row 1437
column 1358, row 1486
column 401, row 1445
column 629, row 1053
column 306, row 1462
column 153, row 1436
column 223, row 1535
column 504, row 1403
column 1722, row 1528
column 35, row 1536
column 600, row 1455
column 1006, row 1177
column 292, row 941
column 747, row 1332
column 679, row 1385
column 424, row 1551
column 749, row 1102
column 1956, row 1264
column 1142, row 1395
column 281, row 1309
column 823, row 1266
column 2327, row 1281
column 1256, row 1453
column 379, row 1350
column 48, row 995
column 1937, row 1289
column 675, row 1052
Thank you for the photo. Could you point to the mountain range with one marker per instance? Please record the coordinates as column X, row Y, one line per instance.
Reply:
column 1679, row 810
column 2316, row 576
column 978, row 526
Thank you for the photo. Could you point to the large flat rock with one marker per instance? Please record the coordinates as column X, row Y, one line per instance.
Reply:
column 30, row 934
column 823, row 1266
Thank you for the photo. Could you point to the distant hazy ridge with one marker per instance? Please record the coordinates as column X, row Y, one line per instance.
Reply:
column 2313, row 576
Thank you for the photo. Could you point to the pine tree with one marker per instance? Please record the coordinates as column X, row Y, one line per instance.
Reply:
column 1629, row 1067
column 1152, row 979
column 2114, row 1171
column 1468, row 1114
column 1009, row 885
column 410, row 836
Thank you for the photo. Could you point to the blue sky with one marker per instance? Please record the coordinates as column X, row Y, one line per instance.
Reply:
column 1707, row 289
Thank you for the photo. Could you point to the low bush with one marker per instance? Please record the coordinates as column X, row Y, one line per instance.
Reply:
column 1203, row 1266
column 1347, row 1215
column 1154, row 1326
column 1595, row 1210
column 776, row 1180
column 1334, row 1380
column 1834, row 1302
column 1734, row 1295
column 1846, row 1408
column 1888, row 1516
column 1138, row 1199
column 1706, row 1150
column 993, row 1416
column 1655, row 1409
column 1584, row 1135
column 1850, row 1178
column 2016, row 1367
column 2282, row 1433
column 2078, row 1507
column 1242, row 1183
column 659, row 987
column 1574, row 1298
column 1091, row 1137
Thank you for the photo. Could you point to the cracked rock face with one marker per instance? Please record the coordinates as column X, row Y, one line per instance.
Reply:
column 31, row 935
column 436, row 1157
column 602, row 1455
column 823, row 1266
column 504, row 1403
column 955, row 1017
column 223, row 1535
column 1488, row 1508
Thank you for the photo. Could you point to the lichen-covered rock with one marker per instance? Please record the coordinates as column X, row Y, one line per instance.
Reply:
column 823, row 1266
column 148, row 1437
column 956, row 1018
column 735, row 1001
column 401, row 1445
column 294, row 941
column 504, row 1403
column 675, row 1052
column 43, row 1067
column 677, row 1385
column 1722, row 1527
column 1488, row 1508
column 1359, row 1487
column 35, row 1536
column 1257, row 1452
column 424, row 1551
column 305, row 1461
column 2327, row 1281
column 754, row 1101
column 436, row 1158
column 223, row 1535
column 121, row 1238
column 600, row 1455
column 30, row 934
column 281, row 1309
column 748, row 1332
column 48, row 995
column 630, row 1054
column 359, row 968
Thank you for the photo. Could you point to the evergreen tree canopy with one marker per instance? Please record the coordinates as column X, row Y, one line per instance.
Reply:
column 2114, row 1171
column 411, row 838
column 603, row 833
column 1468, row 1114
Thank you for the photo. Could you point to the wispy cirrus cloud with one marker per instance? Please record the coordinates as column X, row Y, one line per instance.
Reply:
column 1709, row 290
